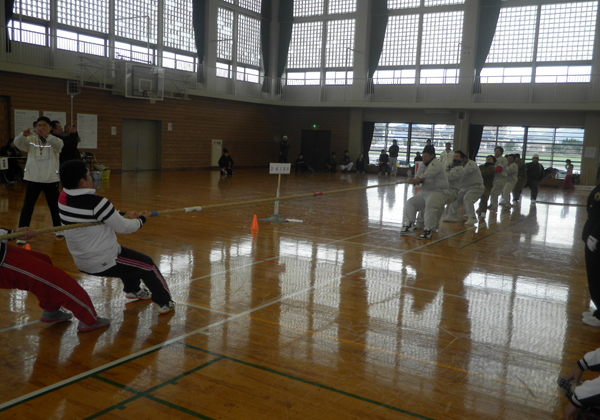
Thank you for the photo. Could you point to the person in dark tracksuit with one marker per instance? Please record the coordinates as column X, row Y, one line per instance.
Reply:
column 591, row 235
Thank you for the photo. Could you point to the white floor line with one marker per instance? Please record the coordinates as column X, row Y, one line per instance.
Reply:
column 155, row 347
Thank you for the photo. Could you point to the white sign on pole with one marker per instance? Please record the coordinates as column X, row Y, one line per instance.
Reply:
column 280, row 168
column 24, row 119
column 87, row 128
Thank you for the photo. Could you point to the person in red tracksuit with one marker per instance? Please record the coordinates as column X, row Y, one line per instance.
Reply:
column 33, row 271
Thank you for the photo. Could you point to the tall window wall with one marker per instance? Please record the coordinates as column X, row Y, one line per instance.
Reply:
column 543, row 43
column 422, row 42
column 553, row 145
column 411, row 139
column 238, row 40
column 322, row 44
column 84, row 26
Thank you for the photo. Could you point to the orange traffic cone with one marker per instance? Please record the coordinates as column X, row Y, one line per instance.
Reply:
column 27, row 246
column 254, row 228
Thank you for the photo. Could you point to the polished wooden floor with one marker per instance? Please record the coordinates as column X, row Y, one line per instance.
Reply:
column 338, row 317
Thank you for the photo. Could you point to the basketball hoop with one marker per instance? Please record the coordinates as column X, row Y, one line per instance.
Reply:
column 152, row 95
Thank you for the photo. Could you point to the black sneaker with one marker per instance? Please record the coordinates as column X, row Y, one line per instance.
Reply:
column 427, row 234
column 165, row 309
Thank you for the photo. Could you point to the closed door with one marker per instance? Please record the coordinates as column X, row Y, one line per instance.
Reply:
column 141, row 145
column 315, row 146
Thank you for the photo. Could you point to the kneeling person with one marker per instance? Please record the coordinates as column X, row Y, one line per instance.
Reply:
column 95, row 248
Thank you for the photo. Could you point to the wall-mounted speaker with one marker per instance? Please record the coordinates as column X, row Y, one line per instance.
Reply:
column 73, row 87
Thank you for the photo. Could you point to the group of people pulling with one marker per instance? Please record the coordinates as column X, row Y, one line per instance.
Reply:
column 95, row 249
column 454, row 180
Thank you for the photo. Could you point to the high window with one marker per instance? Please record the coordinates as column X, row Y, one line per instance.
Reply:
column 422, row 42
column 546, row 43
column 238, row 40
column 322, row 44
column 83, row 26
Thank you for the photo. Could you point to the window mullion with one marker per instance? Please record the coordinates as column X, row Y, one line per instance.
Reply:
column 234, row 44
column 419, row 42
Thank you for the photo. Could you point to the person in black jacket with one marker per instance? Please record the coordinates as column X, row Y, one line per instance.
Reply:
column 361, row 164
column 70, row 140
column 384, row 163
column 535, row 174
column 14, row 172
column 226, row 163
column 394, row 150
column 301, row 166
column 591, row 235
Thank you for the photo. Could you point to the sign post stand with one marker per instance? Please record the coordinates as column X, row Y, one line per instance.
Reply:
column 278, row 169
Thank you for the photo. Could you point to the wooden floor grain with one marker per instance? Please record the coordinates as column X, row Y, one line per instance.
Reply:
column 336, row 317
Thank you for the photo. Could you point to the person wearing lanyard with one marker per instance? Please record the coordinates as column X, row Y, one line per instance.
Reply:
column 41, row 170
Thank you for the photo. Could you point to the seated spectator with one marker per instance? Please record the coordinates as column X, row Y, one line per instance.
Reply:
column 226, row 163
column 301, row 165
column 14, row 172
column 384, row 163
column 331, row 163
column 361, row 164
column 346, row 163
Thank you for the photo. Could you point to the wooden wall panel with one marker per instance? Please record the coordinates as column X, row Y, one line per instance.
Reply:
column 249, row 131
column 5, row 133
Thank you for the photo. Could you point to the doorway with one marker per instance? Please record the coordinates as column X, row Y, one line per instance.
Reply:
column 141, row 145
column 315, row 145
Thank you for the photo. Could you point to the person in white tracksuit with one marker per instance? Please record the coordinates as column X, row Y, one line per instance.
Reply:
column 431, row 200
column 471, row 189
column 499, row 178
column 512, row 170
column 454, row 172
column 584, row 397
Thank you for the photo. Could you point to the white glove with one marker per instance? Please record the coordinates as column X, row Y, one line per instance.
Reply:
column 592, row 243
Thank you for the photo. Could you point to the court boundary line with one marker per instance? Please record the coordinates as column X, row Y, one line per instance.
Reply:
column 65, row 382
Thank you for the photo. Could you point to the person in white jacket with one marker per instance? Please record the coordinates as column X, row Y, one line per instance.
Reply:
column 471, row 190
column 584, row 397
column 41, row 170
column 499, row 178
column 431, row 200
column 512, row 170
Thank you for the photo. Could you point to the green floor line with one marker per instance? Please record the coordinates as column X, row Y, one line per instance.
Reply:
column 80, row 379
column 146, row 394
column 316, row 384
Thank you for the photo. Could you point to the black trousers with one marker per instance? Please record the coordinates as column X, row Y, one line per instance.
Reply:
column 534, row 184
column 133, row 266
column 592, row 265
column 34, row 189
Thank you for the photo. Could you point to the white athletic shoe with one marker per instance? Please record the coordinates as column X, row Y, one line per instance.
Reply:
column 407, row 230
column 165, row 309
column 142, row 294
column 593, row 321
column 471, row 222
column 587, row 314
